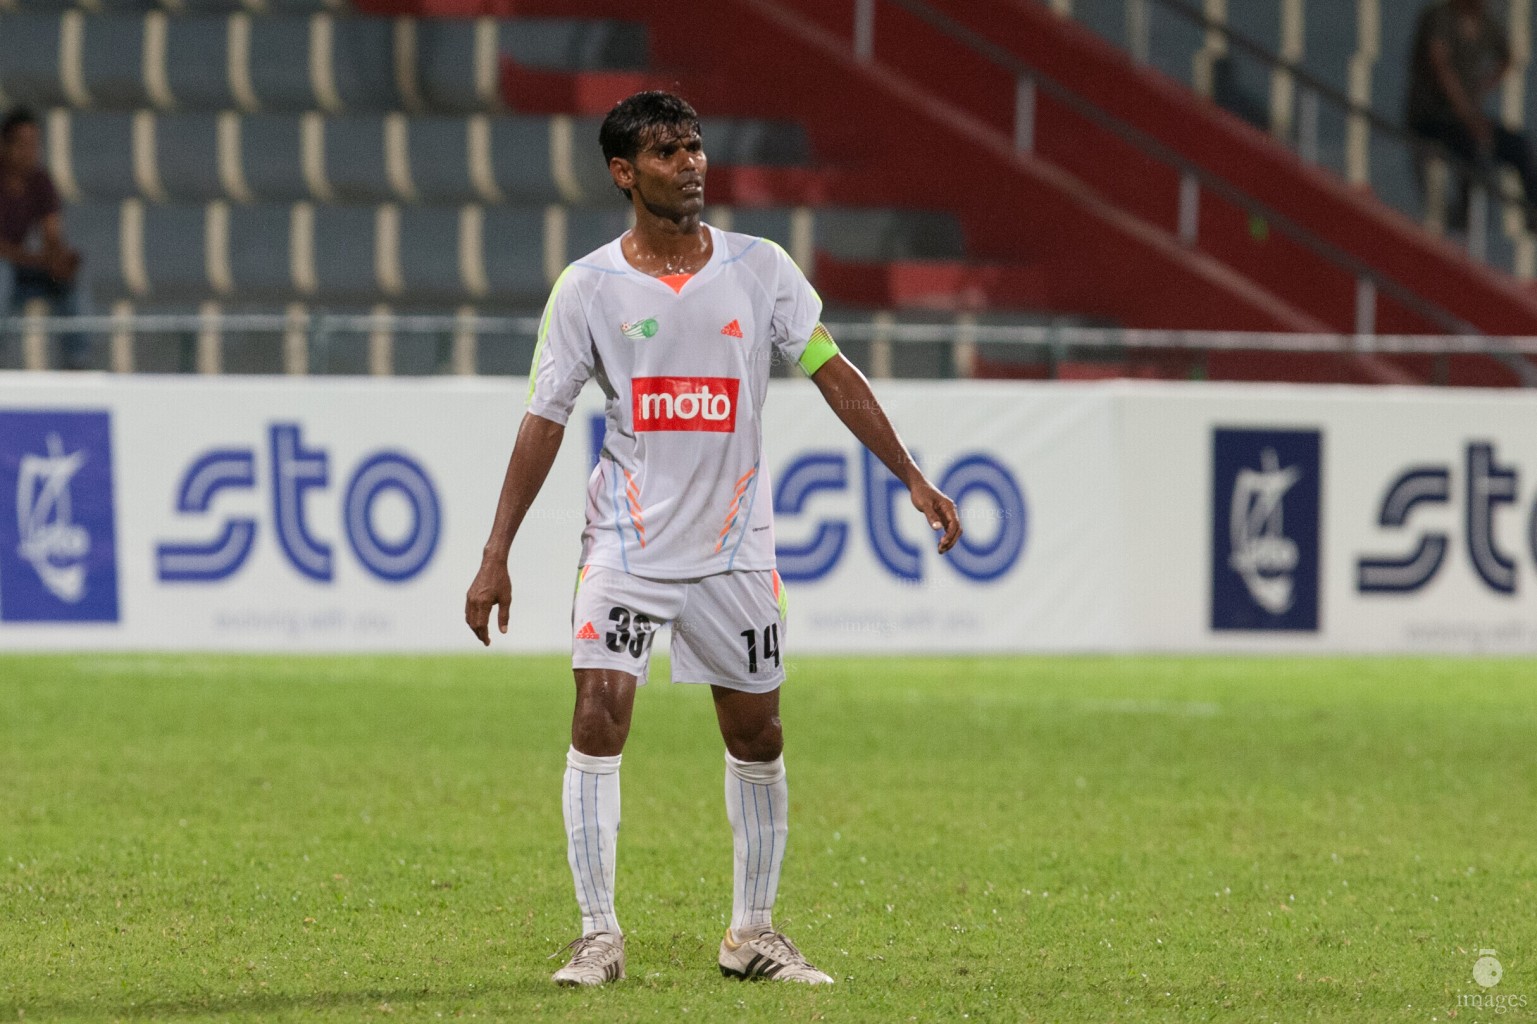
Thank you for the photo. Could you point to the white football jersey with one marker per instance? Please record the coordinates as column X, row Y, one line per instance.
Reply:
column 681, row 489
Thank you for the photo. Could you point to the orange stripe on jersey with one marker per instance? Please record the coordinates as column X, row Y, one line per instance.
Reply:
column 736, row 504
column 632, row 493
column 675, row 281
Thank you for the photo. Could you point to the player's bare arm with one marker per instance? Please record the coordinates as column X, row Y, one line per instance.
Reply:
column 533, row 453
column 848, row 393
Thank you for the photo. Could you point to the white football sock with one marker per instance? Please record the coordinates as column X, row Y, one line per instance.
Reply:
column 757, row 802
column 591, row 805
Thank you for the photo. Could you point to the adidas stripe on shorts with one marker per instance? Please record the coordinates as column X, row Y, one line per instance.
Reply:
column 727, row 629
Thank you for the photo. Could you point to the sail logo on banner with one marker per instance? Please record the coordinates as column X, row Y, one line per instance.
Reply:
column 1264, row 529
column 58, row 545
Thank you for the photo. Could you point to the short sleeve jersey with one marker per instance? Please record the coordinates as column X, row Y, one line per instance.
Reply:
column 681, row 489
column 22, row 211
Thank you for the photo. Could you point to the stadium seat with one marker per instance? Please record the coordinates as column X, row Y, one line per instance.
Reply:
column 278, row 63
column 438, row 153
column 112, row 61
column 187, row 157
column 176, row 256
column 263, row 247
column 355, row 159
column 433, row 263
column 96, row 229
column 514, row 254
column 361, row 61
column 271, row 157
column 457, row 64
column 587, row 229
column 522, row 160
column 197, row 62
column 1106, row 18
column 30, row 68
column 354, row 258
column 575, row 45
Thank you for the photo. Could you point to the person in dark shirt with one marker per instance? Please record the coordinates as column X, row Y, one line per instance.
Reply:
column 35, row 260
column 1460, row 55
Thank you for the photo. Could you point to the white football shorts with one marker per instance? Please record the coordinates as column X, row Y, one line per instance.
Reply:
column 727, row 629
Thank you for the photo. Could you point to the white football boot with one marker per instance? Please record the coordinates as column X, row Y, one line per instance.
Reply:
column 769, row 954
column 597, row 959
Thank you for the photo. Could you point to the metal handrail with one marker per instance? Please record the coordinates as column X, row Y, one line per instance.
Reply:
column 1345, row 261
column 1314, row 84
column 845, row 330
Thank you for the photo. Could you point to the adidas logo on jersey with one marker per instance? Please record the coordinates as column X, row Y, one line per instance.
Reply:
column 684, row 403
column 732, row 330
column 587, row 632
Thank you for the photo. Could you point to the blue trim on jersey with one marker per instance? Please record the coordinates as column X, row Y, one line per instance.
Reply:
column 748, row 517
column 601, row 270
column 744, row 252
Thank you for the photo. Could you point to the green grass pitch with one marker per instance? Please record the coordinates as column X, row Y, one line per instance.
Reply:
column 999, row 839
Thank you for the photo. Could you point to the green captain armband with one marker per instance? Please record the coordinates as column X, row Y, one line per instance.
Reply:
column 819, row 350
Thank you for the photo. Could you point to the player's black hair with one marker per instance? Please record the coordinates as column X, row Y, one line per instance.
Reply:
column 633, row 120
column 15, row 119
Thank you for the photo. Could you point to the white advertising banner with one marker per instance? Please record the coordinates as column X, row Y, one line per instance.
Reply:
column 349, row 514
column 304, row 514
column 1331, row 518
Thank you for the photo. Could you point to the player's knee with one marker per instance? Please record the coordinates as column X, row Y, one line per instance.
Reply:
column 763, row 742
column 598, row 729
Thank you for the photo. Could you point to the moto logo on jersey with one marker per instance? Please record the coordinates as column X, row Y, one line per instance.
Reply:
column 685, row 403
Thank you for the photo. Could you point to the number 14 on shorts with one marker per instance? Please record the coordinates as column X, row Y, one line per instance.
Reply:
column 770, row 645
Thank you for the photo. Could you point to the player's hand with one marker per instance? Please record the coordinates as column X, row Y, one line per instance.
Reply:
column 492, row 589
column 940, row 513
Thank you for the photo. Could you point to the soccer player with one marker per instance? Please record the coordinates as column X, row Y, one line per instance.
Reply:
column 678, row 322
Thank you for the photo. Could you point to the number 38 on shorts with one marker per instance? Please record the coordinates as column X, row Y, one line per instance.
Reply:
column 727, row 630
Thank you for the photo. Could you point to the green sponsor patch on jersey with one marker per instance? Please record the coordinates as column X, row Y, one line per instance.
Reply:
column 639, row 329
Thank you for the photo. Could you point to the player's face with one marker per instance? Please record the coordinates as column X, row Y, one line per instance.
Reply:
column 669, row 173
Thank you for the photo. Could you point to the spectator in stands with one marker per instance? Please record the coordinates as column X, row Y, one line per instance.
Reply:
column 1460, row 54
column 35, row 260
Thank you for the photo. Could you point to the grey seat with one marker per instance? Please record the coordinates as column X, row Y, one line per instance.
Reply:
column 451, row 70
column 101, row 154
column 1172, row 43
column 878, row 234
column 589, row 228
column 271, row 157
column 112, row 61
column 438, row 150
column 363, row 63
column 345, row 253
column 575, row 44
column 175, row 251
column 355, row 158
column 197, row 62
column 1105, row 18
column 261, row 251
column 280, row 64
column 520, row 155
column 30, row 70
column 95, row 228
column 430, row 257
column 187, row 155
column 514, row 249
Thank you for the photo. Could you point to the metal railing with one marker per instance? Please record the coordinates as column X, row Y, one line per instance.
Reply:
column 308, row 343
column 1292, row 116
column 1369, row 282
